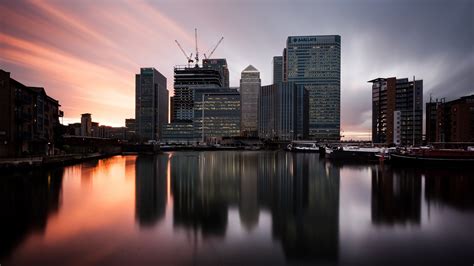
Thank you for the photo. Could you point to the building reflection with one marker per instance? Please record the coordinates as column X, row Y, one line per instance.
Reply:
column 451, row 187
column 396, row 196
column 150, row 189
column 203, row 185
column 26, row 201
column 301, row 193
column 305, row 207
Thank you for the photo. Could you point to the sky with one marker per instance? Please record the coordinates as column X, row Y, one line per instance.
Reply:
column 86, row 53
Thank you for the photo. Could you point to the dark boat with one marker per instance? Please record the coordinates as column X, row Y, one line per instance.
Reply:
column 353, row 153
column 434, row 157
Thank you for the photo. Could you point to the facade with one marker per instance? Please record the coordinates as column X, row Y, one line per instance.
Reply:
column 86, row 125
column 219, row 64
column 130, row 126
column 277, row 69
column 216, row 113
column 397, row 102
column 28, row 119
column 249, row 87
column 179, row 132
column 151, row 106
column 185, row 80
column 431, row 119
column 278, row 112
column 451, row 121
column 315, row 63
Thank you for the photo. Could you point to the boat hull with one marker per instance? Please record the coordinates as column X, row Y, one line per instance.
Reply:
column 416, row 159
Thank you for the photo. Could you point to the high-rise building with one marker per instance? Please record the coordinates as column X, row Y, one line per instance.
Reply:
column 219, row 64
column 151, row 107
column 28, row 119
column 277, row 69
column 279, row 107
column 216, row 113
column 397, row 111
column 185, row 80
column 249, row 87
column 431, row 119
column 315, row 63
column 451, row 121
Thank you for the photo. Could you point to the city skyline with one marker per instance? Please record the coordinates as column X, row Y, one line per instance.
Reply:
column 82, row 57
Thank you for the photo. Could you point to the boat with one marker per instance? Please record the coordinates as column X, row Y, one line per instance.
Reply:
column 353, row 153
column 434, row 157
column 301, row 146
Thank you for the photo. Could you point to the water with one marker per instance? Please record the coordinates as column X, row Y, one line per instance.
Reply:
column 236, row 208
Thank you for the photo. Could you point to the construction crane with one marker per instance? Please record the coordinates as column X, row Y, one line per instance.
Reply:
column 196, row 56
column 215, row 47
column 190, row 60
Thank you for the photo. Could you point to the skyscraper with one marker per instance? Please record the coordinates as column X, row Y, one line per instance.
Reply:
column 279, row 109
column 219, row 64
column 277, row 69
column 151, row 105
column 249, row 87
column 397, row 111
column 315, row 63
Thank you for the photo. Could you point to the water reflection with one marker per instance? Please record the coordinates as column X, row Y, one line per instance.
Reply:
column 150, row 189
column 236, row 207
column 26, row 201
column 396, row 196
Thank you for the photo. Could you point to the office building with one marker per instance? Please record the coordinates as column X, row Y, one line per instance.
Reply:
column 185, row 80
column 216, row 113
column 249, row 87
column 219, row 64
column 315, row 63
column 130, row 126
column 279, row 107
column 397, row 111
column 277, row 69
column 451, row 121
column 29, row 119
column 151, row 107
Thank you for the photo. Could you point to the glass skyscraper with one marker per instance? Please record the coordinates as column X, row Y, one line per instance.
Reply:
column 151, row 103
column 277, row 69
column 315, row 63
column 249, row 87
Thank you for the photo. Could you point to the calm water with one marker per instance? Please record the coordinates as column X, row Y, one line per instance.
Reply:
column 240, row 208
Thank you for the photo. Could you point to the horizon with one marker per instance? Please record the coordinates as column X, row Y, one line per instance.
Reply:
column 82, row 53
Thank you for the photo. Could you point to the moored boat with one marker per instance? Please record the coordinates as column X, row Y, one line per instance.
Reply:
column 301, row 146
column 353, row 153
column 434, row 157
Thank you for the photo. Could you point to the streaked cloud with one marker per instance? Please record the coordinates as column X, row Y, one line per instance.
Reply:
column 86, row 53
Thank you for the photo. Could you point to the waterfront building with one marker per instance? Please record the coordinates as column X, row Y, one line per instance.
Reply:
column 315, row 63
column 277, row 69
column 151, row 106
column 451, row 121
column 216, row 113
column 185, row 80
column 397, row 111
column 213, row 74
column 86, row 125
column 249, row 86
column 130, row 126
column 279, row 107
column 29, row 119
column 179, row 132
